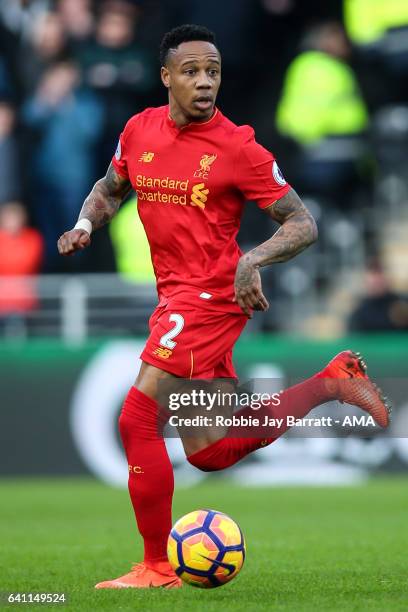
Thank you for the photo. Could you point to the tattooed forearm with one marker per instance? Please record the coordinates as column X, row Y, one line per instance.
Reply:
column 298, row 231
column 105, row 198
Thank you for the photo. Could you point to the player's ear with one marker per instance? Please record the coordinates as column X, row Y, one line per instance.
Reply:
column 165, row 76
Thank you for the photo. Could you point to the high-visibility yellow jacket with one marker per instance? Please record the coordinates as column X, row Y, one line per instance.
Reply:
column 130, row 245
column 320, row 97
column 367, row 21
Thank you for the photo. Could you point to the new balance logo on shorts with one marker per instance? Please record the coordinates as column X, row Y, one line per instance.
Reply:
column 162, row 352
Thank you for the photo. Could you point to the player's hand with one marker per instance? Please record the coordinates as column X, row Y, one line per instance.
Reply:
column 72, row 241
column 248, row 287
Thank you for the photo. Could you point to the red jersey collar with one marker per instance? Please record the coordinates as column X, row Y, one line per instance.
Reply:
column 194, row 124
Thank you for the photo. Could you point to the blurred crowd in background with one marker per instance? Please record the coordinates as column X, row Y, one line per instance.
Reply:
column 325, row 85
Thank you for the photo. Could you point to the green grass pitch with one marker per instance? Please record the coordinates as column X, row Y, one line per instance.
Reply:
column 307, row 548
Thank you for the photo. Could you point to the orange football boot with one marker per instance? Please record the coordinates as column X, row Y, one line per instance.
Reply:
column 354, row 387
column 143, row 577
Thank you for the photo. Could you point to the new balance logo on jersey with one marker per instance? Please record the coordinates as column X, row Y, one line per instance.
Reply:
column 199, row 195
column 146, row 157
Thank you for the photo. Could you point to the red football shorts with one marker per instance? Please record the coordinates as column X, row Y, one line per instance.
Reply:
column 193, row 342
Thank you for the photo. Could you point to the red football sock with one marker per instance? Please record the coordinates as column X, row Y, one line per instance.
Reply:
column 296, row 401
column 151, row 481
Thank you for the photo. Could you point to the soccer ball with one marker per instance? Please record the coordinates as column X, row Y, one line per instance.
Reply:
column 206, row 548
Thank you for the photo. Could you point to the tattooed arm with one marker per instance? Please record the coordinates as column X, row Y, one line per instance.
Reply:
column 99, row 208
column 298, row 231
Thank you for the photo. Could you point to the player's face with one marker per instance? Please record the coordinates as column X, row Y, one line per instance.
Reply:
column 193, row 78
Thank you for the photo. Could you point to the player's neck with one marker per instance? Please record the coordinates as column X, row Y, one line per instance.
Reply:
column 181, row 119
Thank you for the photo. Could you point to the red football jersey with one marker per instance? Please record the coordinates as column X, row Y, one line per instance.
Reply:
column 192, row 183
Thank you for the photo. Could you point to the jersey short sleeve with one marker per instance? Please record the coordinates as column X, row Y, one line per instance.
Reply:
column 257, row 174
column 119, row 160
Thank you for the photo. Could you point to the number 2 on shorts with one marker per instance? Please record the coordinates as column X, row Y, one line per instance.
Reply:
column 166, row 339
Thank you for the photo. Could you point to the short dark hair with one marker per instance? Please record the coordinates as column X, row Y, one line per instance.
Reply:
column 184, row 33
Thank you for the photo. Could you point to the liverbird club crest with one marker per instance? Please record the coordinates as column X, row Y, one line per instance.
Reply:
column 205, row 166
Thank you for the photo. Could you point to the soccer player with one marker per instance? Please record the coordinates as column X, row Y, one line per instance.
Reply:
column 192, row 170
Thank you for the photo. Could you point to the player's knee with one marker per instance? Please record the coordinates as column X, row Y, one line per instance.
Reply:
column 129, row 425
column 204, row 461
column 217, row 456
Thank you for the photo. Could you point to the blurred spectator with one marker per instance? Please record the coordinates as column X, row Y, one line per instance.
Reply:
column 322, row 109
column 68, row 120
column 118, row 68
column 18, row 15
column 21, row 252
column 380, row 309
column 46, row 44
column 130, row 245
column 379, row 30
column 9, row 67
column 9, row 162
column 77, row 18
column 379, row 26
